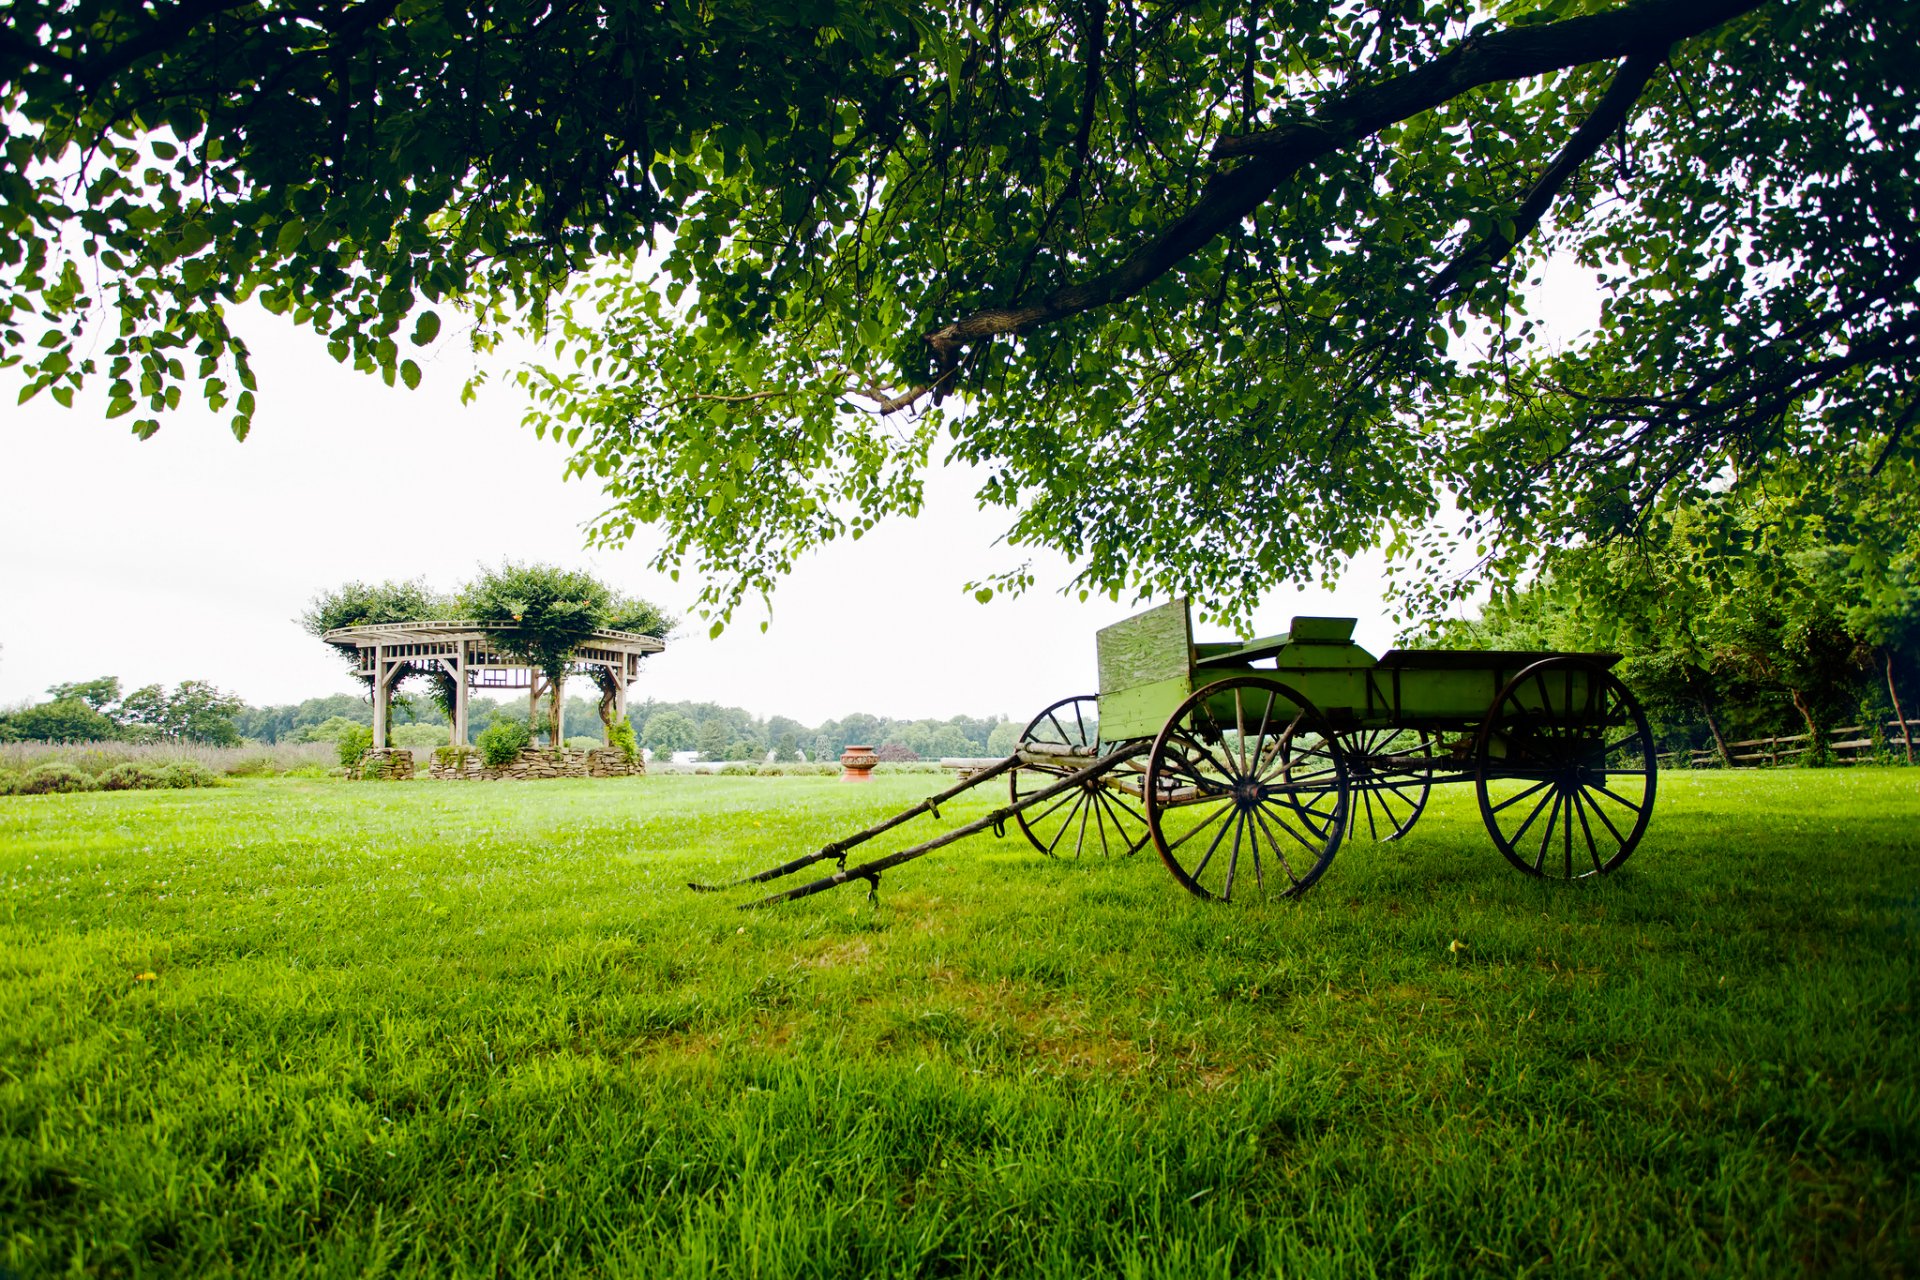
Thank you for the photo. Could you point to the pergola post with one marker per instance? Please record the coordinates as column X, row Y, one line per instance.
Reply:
column 460, row 696
column 379, row 697
column 620, row 691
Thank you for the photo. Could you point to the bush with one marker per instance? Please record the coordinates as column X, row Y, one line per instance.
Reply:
column 186, row 773
column 354, row 743
column 738, row 769
column 128, row 777
column 8, row 781
column 623, row 741
column 503, row 742
column 54, row 778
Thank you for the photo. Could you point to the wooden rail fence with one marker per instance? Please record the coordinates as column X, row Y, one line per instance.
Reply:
column 1849, row 744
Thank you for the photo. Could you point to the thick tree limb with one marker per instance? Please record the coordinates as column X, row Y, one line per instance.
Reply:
column 1610, row 113
column 1277, row 154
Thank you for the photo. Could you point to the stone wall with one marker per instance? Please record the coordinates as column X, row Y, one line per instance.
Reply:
column 390, row 764
column 534, row 763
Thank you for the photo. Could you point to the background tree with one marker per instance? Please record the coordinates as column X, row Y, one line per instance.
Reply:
column 668, row 732
column 61, row 720
column 359, row 604
column 99, row 694
column 193, row 711
column 1200, row 271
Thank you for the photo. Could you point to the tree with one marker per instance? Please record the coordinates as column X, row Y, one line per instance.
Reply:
column 62, row 720
column 195, row 711
column 1199, row 271
column 710, row 740
column 1229, row 290
column 667, row 732
column 98, row 694
column 551, row 612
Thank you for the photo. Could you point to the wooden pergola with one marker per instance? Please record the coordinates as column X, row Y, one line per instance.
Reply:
column 468, row 652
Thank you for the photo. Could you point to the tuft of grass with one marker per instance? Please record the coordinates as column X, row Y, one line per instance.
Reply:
column 291, row 1026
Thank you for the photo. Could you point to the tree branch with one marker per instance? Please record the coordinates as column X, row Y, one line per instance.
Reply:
column 1610, row 113
column 1277, row 154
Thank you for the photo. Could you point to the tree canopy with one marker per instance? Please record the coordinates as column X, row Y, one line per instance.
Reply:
column 1214, row 293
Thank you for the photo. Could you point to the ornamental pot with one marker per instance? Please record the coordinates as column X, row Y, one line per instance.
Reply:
column 856, row 763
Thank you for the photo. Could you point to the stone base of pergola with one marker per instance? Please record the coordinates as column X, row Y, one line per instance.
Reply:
column 467, row 764
column 386, row 764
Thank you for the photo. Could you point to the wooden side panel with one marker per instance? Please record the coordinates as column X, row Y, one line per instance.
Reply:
column 1146, row 668
column 1147, row 648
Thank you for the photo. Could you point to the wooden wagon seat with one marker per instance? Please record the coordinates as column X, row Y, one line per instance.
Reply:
column 1304, row 631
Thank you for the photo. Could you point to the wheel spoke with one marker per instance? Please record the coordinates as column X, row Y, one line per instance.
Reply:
column 1592, row 851
column 1195, row 874
column 1233, row 857
column 1546, row 837
column 1278, row 852
column 1065, row 799
column 1065, row 825
column 1607, row 822
column 1122, row 805
column 1519, row 796
column 1201, row 826
column 1530, row 817
column 1637, row 808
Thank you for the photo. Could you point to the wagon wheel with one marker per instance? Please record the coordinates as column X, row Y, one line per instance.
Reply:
column 1392, row 771
column 1565, row 742
column 1106, row 813
column 1246, row 782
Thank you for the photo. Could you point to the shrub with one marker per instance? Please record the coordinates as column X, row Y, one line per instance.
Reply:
column 55, row 777
column 187, row 773
column 128, row 777
column 8, row 781
column 354, row 743
column 503, row 741
column 622, row 739
column 737, row 769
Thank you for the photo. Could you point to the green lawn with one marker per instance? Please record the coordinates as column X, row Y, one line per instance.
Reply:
column 481, row 1028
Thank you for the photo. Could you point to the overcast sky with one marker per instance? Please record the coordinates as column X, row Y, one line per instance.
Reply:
column 190, row 555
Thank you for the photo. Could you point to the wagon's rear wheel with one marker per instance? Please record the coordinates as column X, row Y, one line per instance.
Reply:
column 1392, row 774
column 1105, row 815
column 1246, row 786
column 1565, row 769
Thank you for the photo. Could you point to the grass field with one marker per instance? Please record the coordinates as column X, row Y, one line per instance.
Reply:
column 320, row 1028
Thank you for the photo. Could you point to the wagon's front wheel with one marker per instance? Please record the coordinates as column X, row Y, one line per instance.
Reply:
column 1565, row 768
column 1246, row 785
column 1104, row 814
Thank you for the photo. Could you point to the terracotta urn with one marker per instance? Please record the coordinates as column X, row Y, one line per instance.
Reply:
column 856, row 763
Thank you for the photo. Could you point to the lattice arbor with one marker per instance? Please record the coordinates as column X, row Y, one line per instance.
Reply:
column 472, row 654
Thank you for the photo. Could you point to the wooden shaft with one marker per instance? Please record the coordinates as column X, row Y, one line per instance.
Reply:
column 871, row 870
column 839, row 847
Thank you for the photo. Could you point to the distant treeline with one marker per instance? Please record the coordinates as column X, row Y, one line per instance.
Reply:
column 716, row 732
column 197, row 712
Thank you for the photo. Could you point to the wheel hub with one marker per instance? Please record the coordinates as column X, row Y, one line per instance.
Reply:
column 1248, row 793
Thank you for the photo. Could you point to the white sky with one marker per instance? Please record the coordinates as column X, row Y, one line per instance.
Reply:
column 190, row 555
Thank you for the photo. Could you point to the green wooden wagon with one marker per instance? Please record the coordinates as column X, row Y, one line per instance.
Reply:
column 1248, row 764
